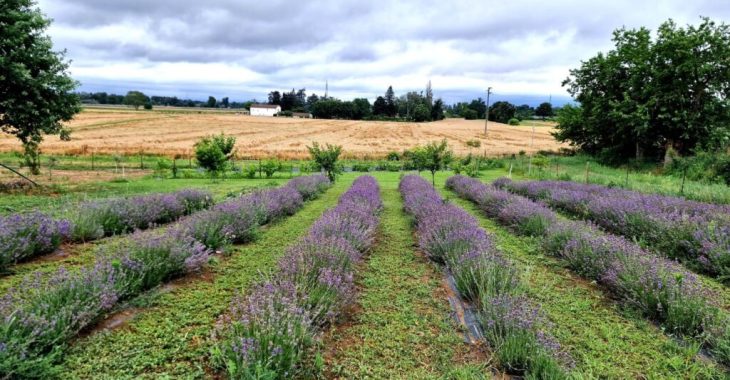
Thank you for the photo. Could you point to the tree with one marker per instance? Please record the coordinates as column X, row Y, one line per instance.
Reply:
column 214, row 152
column 361, row 109
column 435, row 156
column 36, row 90
column 544, row 110
column 524, row 112
column 501, row 112
column 479, row 106
column 391, row 108
column 470, row 114
column 274, row 97
column 211, row 102
column 224, row 102
column 311, row 99
column 135, row 99
column 421, row 113
column 380, row 108
column 288, row 100
column 326, row 158
column 652, row 96
column 429, row 94
column 437, row 111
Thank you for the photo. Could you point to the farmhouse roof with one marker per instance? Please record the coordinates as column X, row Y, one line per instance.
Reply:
column 264, row 105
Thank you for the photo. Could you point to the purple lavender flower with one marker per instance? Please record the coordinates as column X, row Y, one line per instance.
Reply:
column 692, row 231
column 270, row 329
column 661, row 289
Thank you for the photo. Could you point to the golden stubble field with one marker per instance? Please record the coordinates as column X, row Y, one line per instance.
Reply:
column 151, row 132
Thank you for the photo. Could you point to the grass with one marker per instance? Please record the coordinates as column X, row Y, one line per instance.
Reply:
column 55, row 203
column 402, row 327
column 647, row 178
column 168, row 336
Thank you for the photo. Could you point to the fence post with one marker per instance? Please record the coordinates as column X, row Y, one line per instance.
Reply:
column 92, row 160
column 141, row 161
column 587, row 162
column 510, row 170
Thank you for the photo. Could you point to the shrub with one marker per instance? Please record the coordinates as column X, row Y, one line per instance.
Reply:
column 360, row 167
column 326, row 158
column 470, row 114
column 393, row 156
column 269, row 167
column 514, row 121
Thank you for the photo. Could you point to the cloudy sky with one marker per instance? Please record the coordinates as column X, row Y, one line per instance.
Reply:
column 244, row 49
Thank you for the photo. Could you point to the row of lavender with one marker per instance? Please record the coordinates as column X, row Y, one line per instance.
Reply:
column 659, row 288
column 694, row 232
column 512, row 325
column 267, row 333
column 23, row 236
column 41, row 315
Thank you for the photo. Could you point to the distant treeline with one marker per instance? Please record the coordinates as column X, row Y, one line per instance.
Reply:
column 412, row 106
column 136, row 98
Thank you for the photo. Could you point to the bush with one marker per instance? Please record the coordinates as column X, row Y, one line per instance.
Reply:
column 285, row 114
column 269, row 167
column 470, row 114
column 393, row 156
column 326, row 158
column 360, row 167
column 213, row 152
column 249, row 171
column 514, row 121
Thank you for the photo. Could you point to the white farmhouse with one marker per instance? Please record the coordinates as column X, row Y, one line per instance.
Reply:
column 265, row 109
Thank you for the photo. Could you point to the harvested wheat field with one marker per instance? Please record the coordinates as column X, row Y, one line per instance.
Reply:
column 165, row 133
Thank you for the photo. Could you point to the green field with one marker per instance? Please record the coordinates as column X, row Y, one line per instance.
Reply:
column 402, row 325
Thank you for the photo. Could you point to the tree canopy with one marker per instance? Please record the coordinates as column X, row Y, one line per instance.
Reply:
column 135, row 99
column 544, row 110
column 326, row 157
column 501, row 112
column 650, row 96
column 36, row 90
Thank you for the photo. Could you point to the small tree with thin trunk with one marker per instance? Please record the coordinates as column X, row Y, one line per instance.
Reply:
column 436, row 155
column 326, row 157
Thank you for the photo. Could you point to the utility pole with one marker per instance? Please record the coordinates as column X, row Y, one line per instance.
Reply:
column 486, row 117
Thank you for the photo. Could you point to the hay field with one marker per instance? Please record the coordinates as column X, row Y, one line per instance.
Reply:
column 166, row 133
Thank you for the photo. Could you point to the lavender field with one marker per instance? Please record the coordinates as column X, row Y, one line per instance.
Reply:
column 373, row 276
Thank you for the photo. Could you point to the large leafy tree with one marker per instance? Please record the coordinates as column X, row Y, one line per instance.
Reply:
column 502, row 111
column 652, row 96
column 135, row 99
column 36, row 90
column 544, row 110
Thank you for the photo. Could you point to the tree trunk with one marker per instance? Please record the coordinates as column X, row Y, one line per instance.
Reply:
column 639, row 152
column 669, row 153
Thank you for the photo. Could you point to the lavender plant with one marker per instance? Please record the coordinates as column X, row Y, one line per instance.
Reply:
column 694, row 232
column 266, row 334
column 39, row 317
column 26, row 235
column 96, row 219
column 512, row 325
column 659, row 288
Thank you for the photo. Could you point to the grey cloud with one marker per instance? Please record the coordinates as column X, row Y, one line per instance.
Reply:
column 364, row 44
